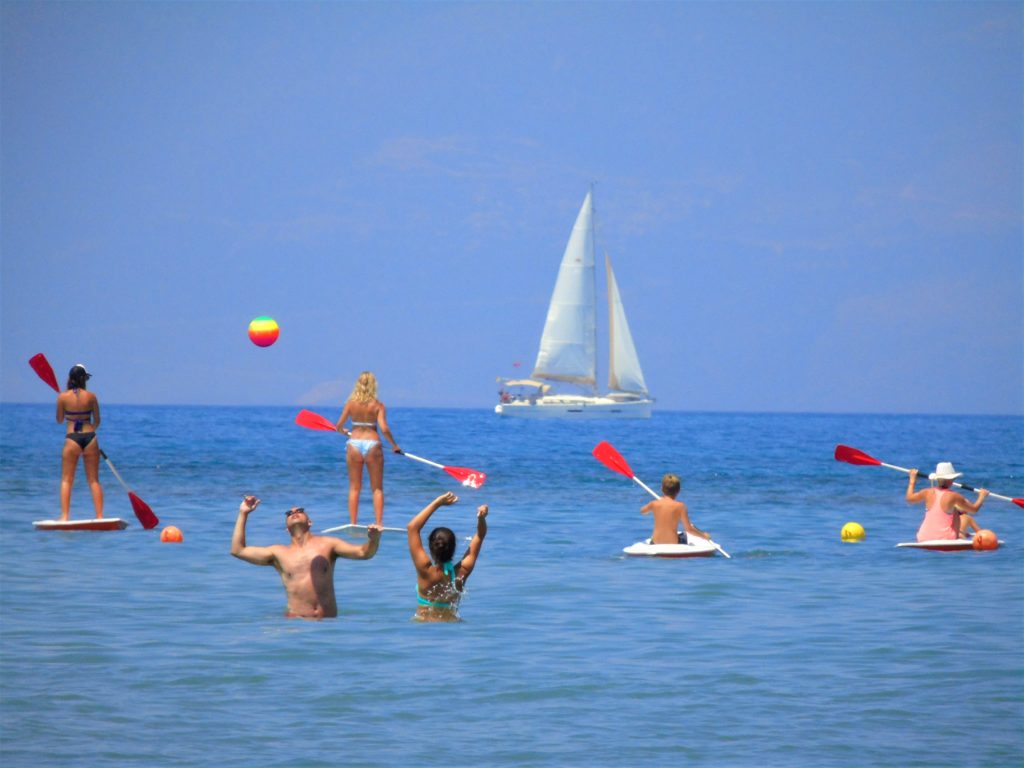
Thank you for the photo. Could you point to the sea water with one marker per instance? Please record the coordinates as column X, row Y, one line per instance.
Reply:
column 801, row 650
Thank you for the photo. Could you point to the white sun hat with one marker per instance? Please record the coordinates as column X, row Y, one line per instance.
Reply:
column 944, row 471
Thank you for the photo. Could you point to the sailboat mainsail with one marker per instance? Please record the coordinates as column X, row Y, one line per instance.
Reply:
column 568, row 344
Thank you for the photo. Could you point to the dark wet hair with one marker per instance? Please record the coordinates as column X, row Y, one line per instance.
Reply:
column 77, row 377
column 442, row 544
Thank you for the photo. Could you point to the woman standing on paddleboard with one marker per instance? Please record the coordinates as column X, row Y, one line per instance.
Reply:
column 368, row 415
column 439, row 581
column 80, row 409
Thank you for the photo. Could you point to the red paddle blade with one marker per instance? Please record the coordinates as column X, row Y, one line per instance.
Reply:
column 468, row 477
column 853, row 456
column 143, row 512
column 311, row 420
column 1019, row 502
column 607, row 455
column 44, row 370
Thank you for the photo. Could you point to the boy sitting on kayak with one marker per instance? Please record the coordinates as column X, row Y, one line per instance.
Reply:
column 669, row 514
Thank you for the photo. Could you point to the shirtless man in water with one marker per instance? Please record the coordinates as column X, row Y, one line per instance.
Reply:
column 307, row 564
column 669, row 514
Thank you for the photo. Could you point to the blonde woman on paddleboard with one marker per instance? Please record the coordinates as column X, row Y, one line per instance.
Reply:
column 947, row 514
column 439, row 580
column 80, row 409
column 369, row 422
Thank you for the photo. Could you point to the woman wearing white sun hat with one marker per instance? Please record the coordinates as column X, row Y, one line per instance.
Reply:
column 947, row 514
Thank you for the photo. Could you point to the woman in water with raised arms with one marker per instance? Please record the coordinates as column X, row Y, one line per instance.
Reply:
column 439, row 581
column 363, row 448
column 81, row 410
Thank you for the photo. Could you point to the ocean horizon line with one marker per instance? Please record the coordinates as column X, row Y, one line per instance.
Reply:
column 710, row 412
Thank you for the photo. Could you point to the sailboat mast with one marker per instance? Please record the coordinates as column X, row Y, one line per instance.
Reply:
column 593, row 281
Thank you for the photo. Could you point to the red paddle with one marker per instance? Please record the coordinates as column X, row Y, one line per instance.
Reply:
column 611, row 458
column 142, row 511
column 853, row 456
column 470, row 478
column 44, row 370
column 311, row 420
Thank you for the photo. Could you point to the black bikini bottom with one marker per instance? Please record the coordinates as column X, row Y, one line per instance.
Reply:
column 81, row 438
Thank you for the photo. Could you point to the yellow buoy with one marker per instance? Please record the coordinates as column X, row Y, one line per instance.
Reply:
column 853, row 532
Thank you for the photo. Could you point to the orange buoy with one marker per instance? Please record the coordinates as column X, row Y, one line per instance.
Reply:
column 986, row 539
column 171, row 533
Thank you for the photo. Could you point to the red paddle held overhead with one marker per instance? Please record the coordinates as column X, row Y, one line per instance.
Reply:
column 854, row 456
column 142, row 510
column 605, row 453
column 470, row 478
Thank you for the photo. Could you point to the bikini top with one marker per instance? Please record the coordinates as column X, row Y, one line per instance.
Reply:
column 449, row 571
column 78, row 422
column 371, row 424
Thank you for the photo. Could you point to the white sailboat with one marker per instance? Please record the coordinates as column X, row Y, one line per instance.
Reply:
column 568, row 345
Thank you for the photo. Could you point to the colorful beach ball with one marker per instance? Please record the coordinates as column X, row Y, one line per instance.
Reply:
column 263, row 331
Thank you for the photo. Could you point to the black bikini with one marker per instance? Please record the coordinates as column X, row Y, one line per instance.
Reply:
column 82, row 439
column 79, row 437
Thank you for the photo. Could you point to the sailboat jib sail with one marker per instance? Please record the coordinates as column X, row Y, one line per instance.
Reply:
column 568, row 344
column 624, row 372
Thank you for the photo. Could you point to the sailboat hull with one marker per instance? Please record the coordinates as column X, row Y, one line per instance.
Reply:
column 575, row 408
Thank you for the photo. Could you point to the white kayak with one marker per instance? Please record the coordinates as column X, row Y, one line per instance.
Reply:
column 91, row 524
column 694, row 547
column 943, row 545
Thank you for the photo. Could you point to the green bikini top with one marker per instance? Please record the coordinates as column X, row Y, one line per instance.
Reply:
column 449, row 571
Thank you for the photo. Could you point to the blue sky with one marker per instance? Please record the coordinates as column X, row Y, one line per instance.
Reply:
column 809, row 206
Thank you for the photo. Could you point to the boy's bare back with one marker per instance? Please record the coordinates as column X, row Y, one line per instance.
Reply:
column 669, row 515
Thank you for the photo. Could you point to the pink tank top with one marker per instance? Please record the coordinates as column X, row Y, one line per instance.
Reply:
column 937, row 525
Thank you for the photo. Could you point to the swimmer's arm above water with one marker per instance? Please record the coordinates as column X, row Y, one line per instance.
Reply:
column 469, row 561
column 254, row 555
column 363, row 552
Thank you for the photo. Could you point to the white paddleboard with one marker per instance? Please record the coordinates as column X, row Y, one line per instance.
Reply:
column 92, row 524
column 358, row 529
column 694, row 547
column 942, row 545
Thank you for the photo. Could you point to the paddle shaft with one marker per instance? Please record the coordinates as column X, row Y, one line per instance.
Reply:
column 351, row 525
column 643, row 485
column 114, row 470
column 958, row 485
column 424, row 461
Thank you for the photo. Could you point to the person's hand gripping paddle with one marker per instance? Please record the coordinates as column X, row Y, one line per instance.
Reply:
column 611, row 458
column 142, row 511
column 470, row 478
